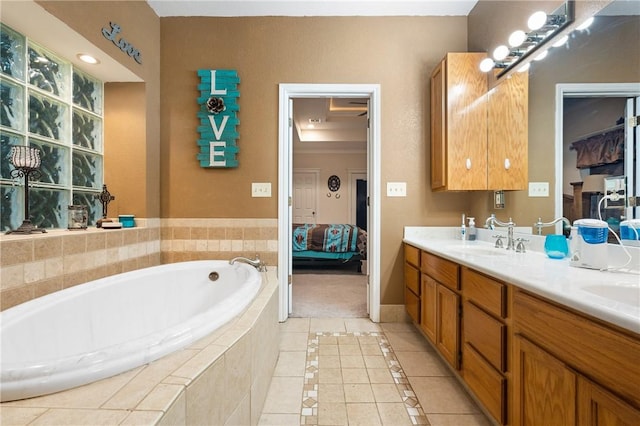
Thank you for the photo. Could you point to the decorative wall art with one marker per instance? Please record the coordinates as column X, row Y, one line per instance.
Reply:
column 218, row 118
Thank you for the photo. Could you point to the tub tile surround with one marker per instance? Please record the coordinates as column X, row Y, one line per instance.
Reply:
column 232, row 366
column 197, row 239
column 39, row 264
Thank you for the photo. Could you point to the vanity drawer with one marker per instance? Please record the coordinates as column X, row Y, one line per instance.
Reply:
column 489, row 386
column 486, row 334
column 443, row 271
column 412, row 278
column 412, row 305
column 412, row 255
column 486, row 292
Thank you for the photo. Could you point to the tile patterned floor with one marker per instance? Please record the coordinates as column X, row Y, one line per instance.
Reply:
column 334, row 371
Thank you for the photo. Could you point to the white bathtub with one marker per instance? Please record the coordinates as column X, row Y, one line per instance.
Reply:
column 111, row 325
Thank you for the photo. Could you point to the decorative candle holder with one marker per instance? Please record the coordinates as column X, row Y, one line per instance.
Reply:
column 26, row 162
column 78, row 217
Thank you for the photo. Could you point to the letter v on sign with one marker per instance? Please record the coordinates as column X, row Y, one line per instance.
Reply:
column 218, row 131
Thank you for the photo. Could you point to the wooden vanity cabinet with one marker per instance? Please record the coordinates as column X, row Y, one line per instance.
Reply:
column 440, row 305
column 412, row 282
column 571, row 369
column 527, row 360
column 507, row 133
column 485, row 338
column 459, row 123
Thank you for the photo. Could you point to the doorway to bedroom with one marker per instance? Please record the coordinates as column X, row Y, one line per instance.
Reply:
column 328, row 202
column 329, row 163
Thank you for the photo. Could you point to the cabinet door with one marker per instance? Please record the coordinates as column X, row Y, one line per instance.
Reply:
column 448, row 324
column 544, row 388
column 438, row 122
column 466, row 125
column 459, row 123
column 428, row 306
column 508, row 133
column 598, row 407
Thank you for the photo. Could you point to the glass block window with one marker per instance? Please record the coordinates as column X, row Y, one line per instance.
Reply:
column 48, row 104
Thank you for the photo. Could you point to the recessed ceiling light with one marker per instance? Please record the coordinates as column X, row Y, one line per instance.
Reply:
column 84, row 57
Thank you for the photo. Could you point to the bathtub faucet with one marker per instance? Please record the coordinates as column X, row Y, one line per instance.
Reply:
column 256, row 263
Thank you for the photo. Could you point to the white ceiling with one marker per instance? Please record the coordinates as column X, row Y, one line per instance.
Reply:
column 330, row 125
column 164, row 8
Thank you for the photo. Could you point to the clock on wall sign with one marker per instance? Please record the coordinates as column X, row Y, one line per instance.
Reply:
column 218, row 118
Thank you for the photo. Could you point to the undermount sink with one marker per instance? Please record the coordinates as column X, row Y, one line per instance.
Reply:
column 627, row 293
column 478, row 250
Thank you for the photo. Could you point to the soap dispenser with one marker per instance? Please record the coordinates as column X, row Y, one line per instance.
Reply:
column 472, row 232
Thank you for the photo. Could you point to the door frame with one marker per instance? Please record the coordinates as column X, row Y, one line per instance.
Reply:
column 285, row 147
column 620, row 90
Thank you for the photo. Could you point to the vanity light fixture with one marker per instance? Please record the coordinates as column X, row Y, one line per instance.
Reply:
column 517, row 38
column 586, row 24
column 85, row 57
column 500, row 52
column 537, row 20
column 523, row 45
column 561, row 41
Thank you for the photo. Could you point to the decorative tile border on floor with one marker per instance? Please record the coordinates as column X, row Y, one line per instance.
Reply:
column 309, row 411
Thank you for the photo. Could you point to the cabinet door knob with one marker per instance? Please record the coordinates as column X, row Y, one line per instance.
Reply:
column 507, row 164
column 468, row 163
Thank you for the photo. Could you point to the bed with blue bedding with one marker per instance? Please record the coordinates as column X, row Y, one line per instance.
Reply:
column 328, row 245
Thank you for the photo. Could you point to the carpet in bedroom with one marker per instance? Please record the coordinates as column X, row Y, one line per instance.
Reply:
column 329, row 296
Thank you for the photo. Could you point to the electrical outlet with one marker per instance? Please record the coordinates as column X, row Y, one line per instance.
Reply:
column 538, row 189
column 396, row 189
column 261, row 189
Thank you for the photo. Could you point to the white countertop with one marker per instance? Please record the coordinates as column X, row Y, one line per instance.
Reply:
column 610, row 296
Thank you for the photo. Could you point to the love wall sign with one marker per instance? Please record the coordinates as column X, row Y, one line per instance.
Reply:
column 218, row 118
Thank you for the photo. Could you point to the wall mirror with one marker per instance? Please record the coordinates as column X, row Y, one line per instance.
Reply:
column 588, row 104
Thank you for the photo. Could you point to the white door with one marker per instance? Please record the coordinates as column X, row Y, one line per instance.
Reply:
column 305, row 196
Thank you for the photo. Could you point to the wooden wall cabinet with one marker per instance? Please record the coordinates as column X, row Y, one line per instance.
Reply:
column 440, row 305
column 459, row 123
column 507, row 133
column 570, row 369
column 479, row 138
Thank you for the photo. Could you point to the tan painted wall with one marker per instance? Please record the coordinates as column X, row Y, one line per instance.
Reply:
column 397, row 53
column 124, row 149
column 603, row 57
column 141, row 27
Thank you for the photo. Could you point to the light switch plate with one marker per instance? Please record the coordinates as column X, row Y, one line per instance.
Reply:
column 261, row 189
column 396, row 189
column 538, row 189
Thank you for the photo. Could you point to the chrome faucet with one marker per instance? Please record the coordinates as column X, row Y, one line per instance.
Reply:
column 491, row 221
column 256, row 263
column 540, row 224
